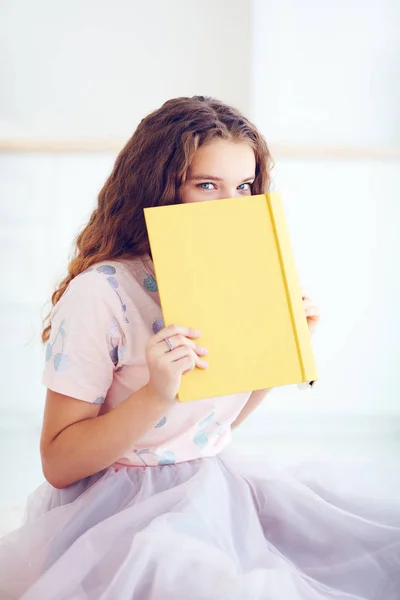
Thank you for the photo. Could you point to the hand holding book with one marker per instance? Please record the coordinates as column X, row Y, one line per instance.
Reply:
column 312, row 312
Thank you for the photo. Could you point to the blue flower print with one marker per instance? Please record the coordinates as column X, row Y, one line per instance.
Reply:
column 202, row 436
column 166, row 458
column 150, row 284
column 139, row 454
column 114, row 355
column 121, row 352
column 115, row 337
column 49, row 351
column 113, row 281
column 201, row 439
column 60, row 360
column 158, row 325
column 161, row 423
column 207, row 420
column 106, row 269
column 99, row 400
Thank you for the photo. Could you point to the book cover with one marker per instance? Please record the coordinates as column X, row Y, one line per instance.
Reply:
column 226, row 267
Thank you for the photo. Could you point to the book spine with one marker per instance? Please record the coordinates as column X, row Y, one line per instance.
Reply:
column 293, row 289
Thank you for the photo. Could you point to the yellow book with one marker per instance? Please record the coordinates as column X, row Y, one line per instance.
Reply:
column 226, row 267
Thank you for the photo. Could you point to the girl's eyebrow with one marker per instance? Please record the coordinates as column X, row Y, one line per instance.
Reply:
column 212, row 178
column 208, row 177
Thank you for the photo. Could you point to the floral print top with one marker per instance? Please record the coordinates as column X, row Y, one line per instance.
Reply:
column 96, row 353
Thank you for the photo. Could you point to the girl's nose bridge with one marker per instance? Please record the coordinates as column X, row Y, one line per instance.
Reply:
column 228, row 192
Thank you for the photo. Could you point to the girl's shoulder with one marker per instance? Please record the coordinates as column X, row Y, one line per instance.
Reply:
column 106, row 277
column 122, row 286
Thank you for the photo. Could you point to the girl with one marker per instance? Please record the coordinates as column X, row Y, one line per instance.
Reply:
column 141, row 503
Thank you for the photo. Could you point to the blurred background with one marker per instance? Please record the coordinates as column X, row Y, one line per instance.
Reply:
column 321, row 81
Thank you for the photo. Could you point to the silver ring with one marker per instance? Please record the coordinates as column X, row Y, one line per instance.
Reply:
column 169, row 344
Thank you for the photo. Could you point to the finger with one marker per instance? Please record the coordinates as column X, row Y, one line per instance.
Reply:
column 309, row 303
column 185, row 364
column 183, row 351
column 181, row 340
column 176, row 330
column 181, row 354
column 200, row 351
column 305, row 293
column 189, row 363
column 313, row 312
column 178, row 341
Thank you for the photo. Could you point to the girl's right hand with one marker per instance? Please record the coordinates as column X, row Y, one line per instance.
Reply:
column 167, row 366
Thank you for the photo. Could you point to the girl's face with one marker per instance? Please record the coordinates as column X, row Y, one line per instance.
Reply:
column 220, row 169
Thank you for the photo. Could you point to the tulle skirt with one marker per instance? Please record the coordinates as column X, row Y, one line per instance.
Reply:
column 211, row 529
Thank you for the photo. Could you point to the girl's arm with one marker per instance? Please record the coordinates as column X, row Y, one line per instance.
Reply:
column 255, row 399
column 76, row 442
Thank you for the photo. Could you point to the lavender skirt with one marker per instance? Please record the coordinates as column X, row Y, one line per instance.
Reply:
column 210, row 529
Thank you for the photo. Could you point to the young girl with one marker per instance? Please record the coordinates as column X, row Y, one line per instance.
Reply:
column 141, row 501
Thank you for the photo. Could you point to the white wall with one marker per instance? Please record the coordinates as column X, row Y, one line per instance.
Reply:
column 45, row 200
column 326, row 75
column 94, row 68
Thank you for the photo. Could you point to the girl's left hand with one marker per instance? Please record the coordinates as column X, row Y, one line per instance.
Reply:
column 312, row 311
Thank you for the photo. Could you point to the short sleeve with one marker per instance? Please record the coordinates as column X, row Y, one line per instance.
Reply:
column 87, row 340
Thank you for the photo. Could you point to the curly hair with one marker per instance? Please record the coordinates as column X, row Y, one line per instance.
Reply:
column 150, row 171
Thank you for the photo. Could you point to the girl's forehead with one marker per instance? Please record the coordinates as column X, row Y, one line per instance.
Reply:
column 223, row 156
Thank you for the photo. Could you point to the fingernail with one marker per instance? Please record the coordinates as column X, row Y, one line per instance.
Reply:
column 204, row 350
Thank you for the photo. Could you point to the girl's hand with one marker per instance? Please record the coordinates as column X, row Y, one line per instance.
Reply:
column 312, row 312
column 167, row 366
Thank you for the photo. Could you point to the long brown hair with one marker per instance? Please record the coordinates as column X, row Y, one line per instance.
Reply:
column 149, row 171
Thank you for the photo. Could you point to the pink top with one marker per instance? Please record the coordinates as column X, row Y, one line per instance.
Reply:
column 96, row 353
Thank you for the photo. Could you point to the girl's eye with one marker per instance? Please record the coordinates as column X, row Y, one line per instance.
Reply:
column 242, row 187
column 203, row 186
